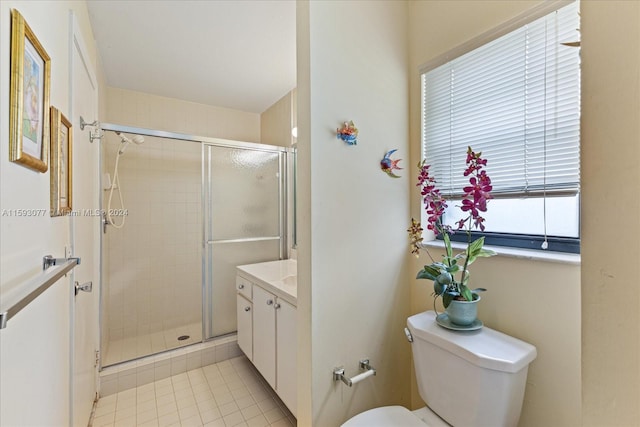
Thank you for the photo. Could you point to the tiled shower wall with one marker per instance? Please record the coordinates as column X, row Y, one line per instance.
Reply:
column 152, row 266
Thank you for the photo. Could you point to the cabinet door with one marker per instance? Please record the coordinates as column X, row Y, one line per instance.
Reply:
column 287, row 338
column 264, row 332
column 245, row 325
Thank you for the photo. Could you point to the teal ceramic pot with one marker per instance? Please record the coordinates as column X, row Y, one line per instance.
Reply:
column 463, row 313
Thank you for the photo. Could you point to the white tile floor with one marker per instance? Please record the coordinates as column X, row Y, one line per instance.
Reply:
column 228, row 393
column 121, row 350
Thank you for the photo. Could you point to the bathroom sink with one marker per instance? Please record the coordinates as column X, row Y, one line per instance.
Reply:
column 279, row 277
column 290, row 280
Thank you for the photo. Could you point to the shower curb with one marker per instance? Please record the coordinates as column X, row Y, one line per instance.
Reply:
column 128, row 375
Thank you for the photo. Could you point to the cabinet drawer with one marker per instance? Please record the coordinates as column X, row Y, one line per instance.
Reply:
column 243, row 286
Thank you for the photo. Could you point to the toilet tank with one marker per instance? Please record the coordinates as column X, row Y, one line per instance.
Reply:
column 470, row 379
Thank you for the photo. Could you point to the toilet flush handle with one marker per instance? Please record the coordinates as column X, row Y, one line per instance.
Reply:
column 408, row 334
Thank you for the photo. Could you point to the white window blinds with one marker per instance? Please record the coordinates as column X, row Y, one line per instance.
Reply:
column 516, row 99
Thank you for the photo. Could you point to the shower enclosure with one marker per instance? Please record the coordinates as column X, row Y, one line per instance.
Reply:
column 195, row 209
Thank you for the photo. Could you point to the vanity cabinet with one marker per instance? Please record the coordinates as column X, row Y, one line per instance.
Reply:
column 267, row 334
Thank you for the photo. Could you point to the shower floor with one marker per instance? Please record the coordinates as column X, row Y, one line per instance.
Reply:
column 122, row 350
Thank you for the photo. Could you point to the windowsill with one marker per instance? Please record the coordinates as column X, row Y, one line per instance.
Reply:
column 548, row 256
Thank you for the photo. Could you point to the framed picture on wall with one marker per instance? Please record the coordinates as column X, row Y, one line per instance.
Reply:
column 61, row 149
column 28, row 97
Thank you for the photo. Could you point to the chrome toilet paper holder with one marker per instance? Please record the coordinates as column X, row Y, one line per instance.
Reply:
column 338, row 373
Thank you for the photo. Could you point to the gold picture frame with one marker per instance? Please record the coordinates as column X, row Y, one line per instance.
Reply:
column 61, row 157
column 29, row 97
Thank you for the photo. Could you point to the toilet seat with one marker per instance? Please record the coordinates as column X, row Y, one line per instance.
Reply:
column 395, row 416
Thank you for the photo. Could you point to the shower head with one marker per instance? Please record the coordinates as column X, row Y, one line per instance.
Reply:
column 125, row 141
column 137, row 138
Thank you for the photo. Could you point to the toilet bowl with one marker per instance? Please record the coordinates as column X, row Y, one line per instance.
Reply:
column 450, row 364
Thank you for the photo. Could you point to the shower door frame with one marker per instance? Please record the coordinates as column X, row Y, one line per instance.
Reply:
column 207, row 245
column 283, row 193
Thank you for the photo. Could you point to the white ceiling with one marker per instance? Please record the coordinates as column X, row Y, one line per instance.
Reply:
column 236, row 54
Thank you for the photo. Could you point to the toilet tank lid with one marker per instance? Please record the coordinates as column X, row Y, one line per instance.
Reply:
column 486, row 348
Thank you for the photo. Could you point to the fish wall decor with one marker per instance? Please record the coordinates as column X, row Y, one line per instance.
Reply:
column 388, row 165
column 348, row 133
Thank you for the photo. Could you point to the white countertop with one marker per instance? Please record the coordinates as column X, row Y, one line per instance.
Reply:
column 278, row 277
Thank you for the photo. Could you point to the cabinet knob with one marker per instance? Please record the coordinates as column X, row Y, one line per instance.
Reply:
column 269, row 301
column 241, row 286
column 276, row 305
column 247, row 309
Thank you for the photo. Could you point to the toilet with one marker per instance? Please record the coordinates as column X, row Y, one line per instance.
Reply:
column 485, row 369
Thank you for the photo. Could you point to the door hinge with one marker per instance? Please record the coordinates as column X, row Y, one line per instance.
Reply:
column 97, row 358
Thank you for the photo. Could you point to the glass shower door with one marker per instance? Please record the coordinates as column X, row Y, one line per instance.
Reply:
column 244, row 223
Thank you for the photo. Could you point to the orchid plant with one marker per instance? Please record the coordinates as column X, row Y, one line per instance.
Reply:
column 474, row 202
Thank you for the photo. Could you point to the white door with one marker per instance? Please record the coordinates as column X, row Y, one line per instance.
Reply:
column 85, row 231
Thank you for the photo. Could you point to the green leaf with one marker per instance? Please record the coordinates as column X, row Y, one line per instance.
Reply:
column 444, row 278
column 475, row 247
column 486, row 253
column 440, row 265
column 438, row 288
column 466, row 293
column 447, row 244
column 428, row 272
column 466, row 278
column 446, row 299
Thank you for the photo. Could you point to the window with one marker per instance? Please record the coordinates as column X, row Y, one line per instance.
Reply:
column 517, row 100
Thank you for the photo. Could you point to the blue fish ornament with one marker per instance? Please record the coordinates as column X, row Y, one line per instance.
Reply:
column 388, row 165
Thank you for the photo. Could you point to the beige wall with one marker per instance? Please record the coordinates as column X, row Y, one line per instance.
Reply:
column 35, row 347
column 353, row 297
column 536, row 301
column 130, row 108
column 277, row 121
column 610, row 226
column 303, row 220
